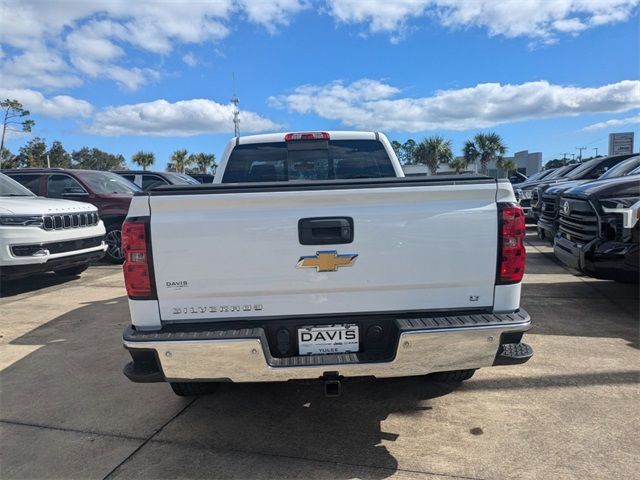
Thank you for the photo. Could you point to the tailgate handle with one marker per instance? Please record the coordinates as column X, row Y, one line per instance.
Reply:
column 325, row 230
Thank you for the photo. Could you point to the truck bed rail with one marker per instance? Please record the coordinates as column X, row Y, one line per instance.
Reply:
column 206, row 189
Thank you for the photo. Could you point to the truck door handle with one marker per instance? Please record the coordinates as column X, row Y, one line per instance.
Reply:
column 325, row 230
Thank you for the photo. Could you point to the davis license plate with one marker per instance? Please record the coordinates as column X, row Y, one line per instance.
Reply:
column 328, row 339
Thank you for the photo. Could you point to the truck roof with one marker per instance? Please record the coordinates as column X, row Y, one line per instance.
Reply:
column 333, row 135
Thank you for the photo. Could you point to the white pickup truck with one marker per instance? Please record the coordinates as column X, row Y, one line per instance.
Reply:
column 310, row 257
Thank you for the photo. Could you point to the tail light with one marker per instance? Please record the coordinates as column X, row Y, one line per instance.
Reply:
column 292, row 137
column 137, row 261
column 511, row 250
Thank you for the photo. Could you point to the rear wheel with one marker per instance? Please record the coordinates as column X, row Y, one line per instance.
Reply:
column 194, row 389
column 77, row 270
column 113, row 239
column 454, row 376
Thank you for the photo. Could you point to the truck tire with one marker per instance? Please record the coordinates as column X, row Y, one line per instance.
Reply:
column 455, row 376
column 113, row 239
column 194, row 389
column 71, row 271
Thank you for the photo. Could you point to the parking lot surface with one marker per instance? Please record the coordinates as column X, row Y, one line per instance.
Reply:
column 573, row 411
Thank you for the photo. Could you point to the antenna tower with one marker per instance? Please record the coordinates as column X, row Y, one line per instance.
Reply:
column 236, row 111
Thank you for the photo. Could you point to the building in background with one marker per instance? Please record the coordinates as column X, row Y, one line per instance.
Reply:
column 620, row 143
column 528, row 163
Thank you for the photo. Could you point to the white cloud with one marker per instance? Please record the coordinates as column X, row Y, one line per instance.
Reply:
column 96, row 35
column 272, row 14
column 190, row 59
column 616, row 122
column 59, row 106
column 149, row 25
column 373, row 105
column 58, row 44
column 93, row 53
column 541, row 19
column 182, row 119
column 38, row 67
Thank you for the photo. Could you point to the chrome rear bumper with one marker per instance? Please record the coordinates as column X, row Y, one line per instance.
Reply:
column 242, row 355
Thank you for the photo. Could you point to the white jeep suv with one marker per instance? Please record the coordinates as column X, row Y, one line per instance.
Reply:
column 40, row 234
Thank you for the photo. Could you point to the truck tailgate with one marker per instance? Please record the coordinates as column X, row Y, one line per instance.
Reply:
column 234, row 253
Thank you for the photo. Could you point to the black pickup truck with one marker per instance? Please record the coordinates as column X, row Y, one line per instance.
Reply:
column 599, row 231
column 545, row 197
column 525, row 190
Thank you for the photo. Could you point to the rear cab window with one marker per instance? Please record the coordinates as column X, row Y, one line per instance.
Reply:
column 308, row 160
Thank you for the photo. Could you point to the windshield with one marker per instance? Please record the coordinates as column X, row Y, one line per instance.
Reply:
column 538, row 175
column 315, row 160
column 547, row 173
column 11, row 188
column 622, row 169
column 635, row 171
column 181, row 179
column 584, row 167
column 562, row 171
column 107, row 182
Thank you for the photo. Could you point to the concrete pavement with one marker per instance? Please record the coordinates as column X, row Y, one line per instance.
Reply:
column 66, row 411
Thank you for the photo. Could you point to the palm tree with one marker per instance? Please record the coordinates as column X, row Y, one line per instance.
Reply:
column 179, row 161
column 459, row 164
column 470, row 153
column 507, row 164
column 433, row 151
column 203, row 161
column 486, row 147
column 143, row 159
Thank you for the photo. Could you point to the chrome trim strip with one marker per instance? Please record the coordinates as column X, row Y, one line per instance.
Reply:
column 248, row 360
column 630, row 215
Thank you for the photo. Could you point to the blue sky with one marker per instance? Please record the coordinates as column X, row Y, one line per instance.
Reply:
column 547, row 76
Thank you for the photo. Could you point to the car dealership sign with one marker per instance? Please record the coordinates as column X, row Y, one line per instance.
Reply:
column 620, row 143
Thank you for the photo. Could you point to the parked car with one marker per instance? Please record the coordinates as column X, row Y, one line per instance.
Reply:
column 308, row 259
column 41, row 235
column 516, row 178
column 547, row 208
column 109, row 192
column 599, row 231
column 533, row 178
column 203, row 177
column 524, row 191
column 529, row 190
column 147, row 180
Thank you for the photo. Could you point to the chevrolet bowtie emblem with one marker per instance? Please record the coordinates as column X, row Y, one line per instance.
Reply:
column 327, row 261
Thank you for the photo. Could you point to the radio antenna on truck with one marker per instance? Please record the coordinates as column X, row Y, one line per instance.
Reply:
column 236, row 111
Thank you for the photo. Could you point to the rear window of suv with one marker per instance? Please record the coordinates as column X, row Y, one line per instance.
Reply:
column 316, row 160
